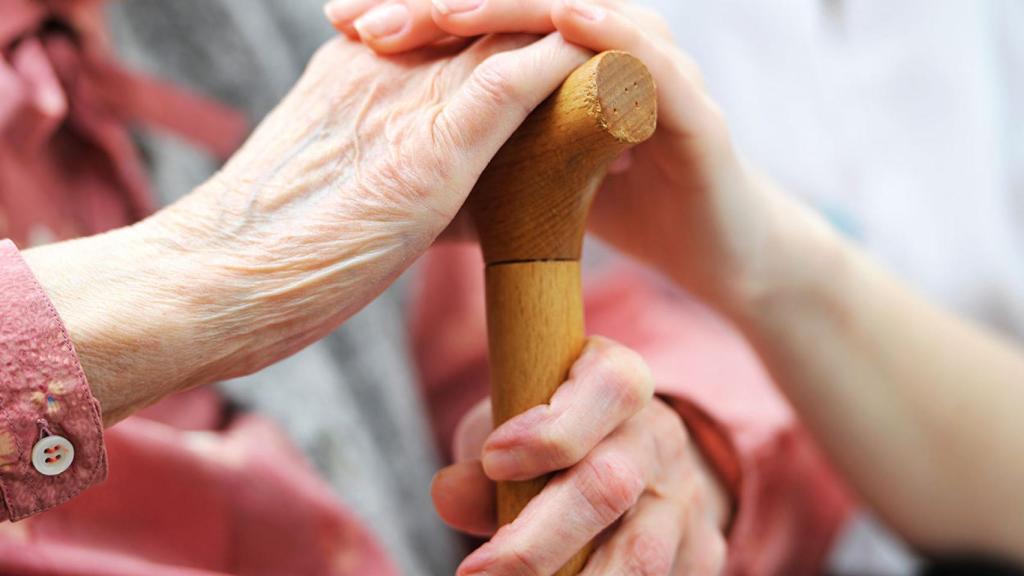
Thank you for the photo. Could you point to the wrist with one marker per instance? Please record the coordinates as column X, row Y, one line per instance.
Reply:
column 799, row 263
column 121, row 298
column 719, row 502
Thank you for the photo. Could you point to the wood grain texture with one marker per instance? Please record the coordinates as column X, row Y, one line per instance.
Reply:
column 535, row 333
column 531, row 202
column 530, row 210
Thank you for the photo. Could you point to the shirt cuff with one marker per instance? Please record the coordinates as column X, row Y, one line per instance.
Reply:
column 715, row 445
column 51, row 433
column 787, row 504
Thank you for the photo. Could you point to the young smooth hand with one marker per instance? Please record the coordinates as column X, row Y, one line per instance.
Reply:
column 682, row 201
column 874, row 370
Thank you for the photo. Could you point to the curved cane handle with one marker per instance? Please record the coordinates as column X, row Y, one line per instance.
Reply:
column 530, row 209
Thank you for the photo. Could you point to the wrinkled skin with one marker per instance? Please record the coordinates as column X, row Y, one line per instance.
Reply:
column 354, row 175
column 841, row 337
column 684, row 203
column 340, row 188
column 630, row 478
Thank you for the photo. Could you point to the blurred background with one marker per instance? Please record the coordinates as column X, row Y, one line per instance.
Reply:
column 898, row 119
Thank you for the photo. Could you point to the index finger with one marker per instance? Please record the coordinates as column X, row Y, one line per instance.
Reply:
column 606, row 387
column 424, row 22
column 477, row 17
column 573, row 508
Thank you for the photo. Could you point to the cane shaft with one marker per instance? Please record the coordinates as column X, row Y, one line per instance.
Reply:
column 535, row 329
column 530, row 210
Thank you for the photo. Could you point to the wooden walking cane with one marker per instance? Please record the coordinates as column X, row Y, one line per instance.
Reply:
column 530, row 210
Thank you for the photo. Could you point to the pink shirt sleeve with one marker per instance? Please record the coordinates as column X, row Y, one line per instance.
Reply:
column 51, row 433
column 788, row 503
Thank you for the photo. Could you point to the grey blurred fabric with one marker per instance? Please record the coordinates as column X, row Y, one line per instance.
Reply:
column 349, row 402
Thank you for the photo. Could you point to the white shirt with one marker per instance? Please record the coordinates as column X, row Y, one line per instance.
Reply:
column 903, row 120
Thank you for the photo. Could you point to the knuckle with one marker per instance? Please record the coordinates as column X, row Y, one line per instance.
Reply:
column 395, row 178
column 447, row 133
column 398, row 190
column 649, row 554
column 517, row 561
column 609, row 486
column 557, row 449
column 626, row 376
column 444, row 134
column 495, row 86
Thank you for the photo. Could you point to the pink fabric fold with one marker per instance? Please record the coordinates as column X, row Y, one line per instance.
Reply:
column 42, row 391
column 788, row 502
column 65, row 108
column 190, row 491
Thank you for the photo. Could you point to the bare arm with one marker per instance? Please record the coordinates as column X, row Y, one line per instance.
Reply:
column 919, row 408
column 338, row 190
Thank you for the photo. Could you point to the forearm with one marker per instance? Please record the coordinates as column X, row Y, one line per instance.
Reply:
column 124, row 299
column 918, row 408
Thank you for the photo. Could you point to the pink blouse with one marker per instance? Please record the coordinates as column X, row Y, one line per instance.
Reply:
column 188, row 492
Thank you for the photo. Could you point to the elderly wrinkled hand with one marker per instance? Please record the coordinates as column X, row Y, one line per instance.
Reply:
column 631, row 468
column 683, row 201
column 339, row 189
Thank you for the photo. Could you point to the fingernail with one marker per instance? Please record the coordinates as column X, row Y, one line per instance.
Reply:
column 520, row 428
column 382, row 21
column 585, row 9
column 339, row 11
column 446, row 7
column 476, row 562
column 500, row 464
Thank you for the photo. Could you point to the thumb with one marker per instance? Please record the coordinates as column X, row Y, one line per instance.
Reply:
column 498, row 95
column 465, row 499
column 472, row 431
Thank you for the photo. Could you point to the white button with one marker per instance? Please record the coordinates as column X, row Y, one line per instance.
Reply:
column 52, row 455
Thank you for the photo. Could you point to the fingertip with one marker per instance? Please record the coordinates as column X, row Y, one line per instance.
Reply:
column 333, row 11
column 341, row 13
column 578, row 21
column 398, row 27
column 465, row 499
column 383, row 23
column 478, row 17
column 501, row 465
